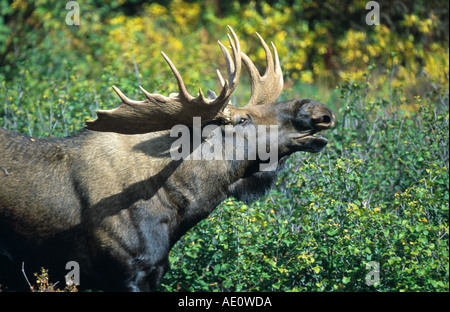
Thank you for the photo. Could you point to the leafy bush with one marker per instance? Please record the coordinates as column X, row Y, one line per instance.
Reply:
column 378, row 195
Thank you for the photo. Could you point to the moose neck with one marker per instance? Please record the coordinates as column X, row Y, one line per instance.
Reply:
column 188, row 188
column 200, row 184
column 197, row 187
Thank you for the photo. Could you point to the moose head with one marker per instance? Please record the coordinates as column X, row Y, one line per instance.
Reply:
column 296, row 122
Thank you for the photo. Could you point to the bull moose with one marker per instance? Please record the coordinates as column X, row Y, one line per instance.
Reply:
column 114, row 198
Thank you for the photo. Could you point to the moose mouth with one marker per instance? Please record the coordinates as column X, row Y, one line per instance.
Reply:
column 310, row 142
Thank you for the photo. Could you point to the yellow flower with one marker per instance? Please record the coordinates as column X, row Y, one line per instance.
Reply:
column 410, row 20
column 118, row 20
column 306, row 76
column 156, row 10
column 177, row 45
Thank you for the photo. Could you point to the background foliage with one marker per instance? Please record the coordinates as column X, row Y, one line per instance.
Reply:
column 378, row 192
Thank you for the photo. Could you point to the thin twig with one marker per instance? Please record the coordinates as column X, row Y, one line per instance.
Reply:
column 391, row 92
column 435, row 88
column 25, row 275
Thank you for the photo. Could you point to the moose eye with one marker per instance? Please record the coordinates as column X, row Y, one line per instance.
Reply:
column 242, row 121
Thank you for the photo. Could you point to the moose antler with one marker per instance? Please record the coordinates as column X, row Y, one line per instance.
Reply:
column 267, row 88
column 159, row 112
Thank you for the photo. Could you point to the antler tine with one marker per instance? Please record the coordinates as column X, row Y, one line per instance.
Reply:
column 233, row 67
column 181, row 87
column 236, row 48
column 222, row 81
column 233, row 62
column 228, row 60
column 124, row 98
column 266, row 88
column 269, row 57
column 278, row 70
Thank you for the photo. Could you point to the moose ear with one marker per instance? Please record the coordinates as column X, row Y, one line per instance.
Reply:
column 211, row 95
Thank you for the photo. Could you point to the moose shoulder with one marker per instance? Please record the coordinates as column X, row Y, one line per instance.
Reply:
column 115, row 199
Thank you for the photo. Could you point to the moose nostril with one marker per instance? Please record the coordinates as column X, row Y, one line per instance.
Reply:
column 326, row 119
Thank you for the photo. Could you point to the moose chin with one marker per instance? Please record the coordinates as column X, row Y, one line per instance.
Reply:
column 115, row 200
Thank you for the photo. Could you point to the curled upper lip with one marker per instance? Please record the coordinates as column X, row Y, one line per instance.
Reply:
column 306, row 134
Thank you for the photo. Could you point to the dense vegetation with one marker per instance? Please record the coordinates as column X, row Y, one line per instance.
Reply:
column 369, row 213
